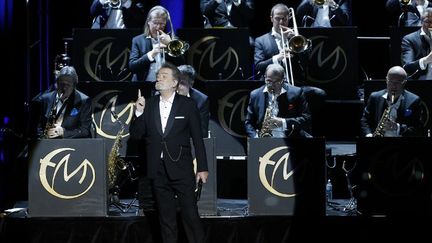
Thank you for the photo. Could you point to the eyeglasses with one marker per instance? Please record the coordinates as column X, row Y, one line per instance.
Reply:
column 396, row 82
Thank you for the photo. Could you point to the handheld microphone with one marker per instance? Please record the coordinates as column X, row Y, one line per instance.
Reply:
column 198, row 190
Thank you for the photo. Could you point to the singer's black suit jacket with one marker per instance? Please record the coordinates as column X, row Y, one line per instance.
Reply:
column 339, row 17
column 414, row 46
column 183, row 124
column 408, row 114
column 292, row 106
column 139, row 64
column 77, row 116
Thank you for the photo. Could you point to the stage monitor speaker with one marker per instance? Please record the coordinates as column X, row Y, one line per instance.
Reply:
column 286, row 176
column 393, row 176
column 67, row 178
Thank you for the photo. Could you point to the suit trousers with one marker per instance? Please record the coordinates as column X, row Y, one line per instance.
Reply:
column 167, row 192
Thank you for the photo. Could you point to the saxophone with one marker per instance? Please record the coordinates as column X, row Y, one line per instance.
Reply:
column 379, row 131
column 265, row 131
column 51, row 117
column 115, row 162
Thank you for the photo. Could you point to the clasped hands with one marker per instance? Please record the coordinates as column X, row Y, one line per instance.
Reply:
column 56, row 131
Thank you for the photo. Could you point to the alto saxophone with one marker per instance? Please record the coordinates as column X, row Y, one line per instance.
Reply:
column 115, row 162
column 265, row 129
column 380, row 131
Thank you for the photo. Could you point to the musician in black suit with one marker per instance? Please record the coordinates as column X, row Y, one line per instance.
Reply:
column 148, row 49
column 166, row 123
column 269, row 49
column 408, row 14
column 228, row 13
column 403, row 109
column 416, row 49
column 118, row 14
column 329, row 14
column 185, row 88
column 289, row 109
column 66, row 108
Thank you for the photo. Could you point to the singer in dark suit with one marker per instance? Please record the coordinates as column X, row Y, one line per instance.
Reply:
column 147, row 51
column 166, row 123
column 66, row 108
column 334, row 13
column 404, row 117
column 289, row 114
column 416, row 50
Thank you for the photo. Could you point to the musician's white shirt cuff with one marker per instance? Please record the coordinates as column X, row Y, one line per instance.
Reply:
column 275, row 60
column 422, row 65
column 138, row 113
column 150, row 57
column 369, row 135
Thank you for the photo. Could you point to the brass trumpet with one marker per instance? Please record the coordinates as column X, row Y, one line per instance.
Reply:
column 319, row 2
column 405, row 2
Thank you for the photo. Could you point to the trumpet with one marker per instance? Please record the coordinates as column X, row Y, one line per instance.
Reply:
column 114, row 3
column 296, row 44
column 405, row 2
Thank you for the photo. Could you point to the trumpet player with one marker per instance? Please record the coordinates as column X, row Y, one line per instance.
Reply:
column 271, row 48
column 64, row 112
column 289, row 112
column 118, row 14
column 403, row 109
column 148, row 49
column 408, row 12
column 324, row 13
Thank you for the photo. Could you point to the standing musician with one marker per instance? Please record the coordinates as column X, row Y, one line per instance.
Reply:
column 394, row 111
column 277, row 109
column 270, row 49
column 324, row 13
column 148, row 49
column 416, row 49
column 65, row 112
column 118, row 14
column 228, row 13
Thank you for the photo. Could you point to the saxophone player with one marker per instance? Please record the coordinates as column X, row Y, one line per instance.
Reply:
column 289, row 112
column 64, row 112
column 393, row 111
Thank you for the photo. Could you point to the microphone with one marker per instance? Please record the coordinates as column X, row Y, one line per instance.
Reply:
column 305, row 19
column 414, row 73
column 254, row 75
column 241, row 72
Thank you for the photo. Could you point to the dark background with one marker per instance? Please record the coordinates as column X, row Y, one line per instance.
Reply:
column 35, row 34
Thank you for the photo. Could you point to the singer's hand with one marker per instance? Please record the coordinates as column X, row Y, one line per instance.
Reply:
column 202, row 176
column 140, row 102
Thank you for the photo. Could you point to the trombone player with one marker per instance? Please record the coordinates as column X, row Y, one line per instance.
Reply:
column 269, row 49
column 393, row 111
column 148, row 51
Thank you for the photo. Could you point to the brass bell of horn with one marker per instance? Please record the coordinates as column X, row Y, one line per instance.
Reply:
column 177, row 47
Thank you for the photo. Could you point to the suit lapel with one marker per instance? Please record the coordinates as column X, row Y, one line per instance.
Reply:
column 273, row 44
column 171, row 116
column 156, row 116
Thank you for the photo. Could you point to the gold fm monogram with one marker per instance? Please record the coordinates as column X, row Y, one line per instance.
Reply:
column 46, row 165
column 105, row 117
column 276, row 168
column 337, row 56
column 204, row 51
column 99, row 54
column 233, row 113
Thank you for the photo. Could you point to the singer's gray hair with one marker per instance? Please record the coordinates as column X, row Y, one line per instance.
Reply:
column 68, row 71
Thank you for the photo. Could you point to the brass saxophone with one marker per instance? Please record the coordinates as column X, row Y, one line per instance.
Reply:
column 379, row 131
column 265, row 129
column 115, row 162
column 51, row 117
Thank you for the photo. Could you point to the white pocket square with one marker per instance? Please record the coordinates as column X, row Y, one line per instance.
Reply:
column 179, row 117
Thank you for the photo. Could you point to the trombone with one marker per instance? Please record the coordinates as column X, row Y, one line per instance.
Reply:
column 175, row 47
column 296, row 44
